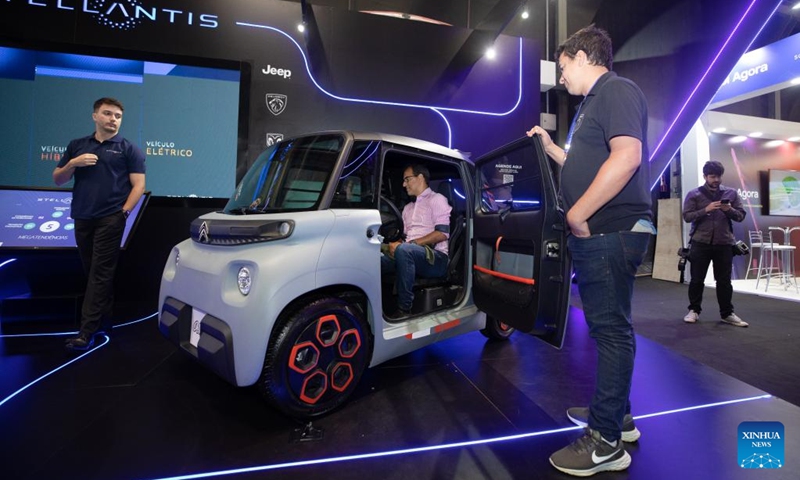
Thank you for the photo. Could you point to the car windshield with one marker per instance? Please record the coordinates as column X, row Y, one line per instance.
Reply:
column 288, row 176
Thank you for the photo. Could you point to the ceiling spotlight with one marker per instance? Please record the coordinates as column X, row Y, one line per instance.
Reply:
column 774, row 143
column 738, row 139
column 719, row 130
column 491, row 53
column 756, row 134
column 793, row 139
column 796, row 6
column 301, row 27
column 795, row 81
column 525, row 15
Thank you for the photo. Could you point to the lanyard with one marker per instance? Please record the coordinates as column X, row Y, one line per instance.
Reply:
column 576, row 122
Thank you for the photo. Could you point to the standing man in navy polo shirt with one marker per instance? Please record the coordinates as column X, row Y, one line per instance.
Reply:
column 109, row 180
column 607, row 200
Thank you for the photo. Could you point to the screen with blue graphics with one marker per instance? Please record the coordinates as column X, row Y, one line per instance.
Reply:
column 183, row 117
column 40, row 219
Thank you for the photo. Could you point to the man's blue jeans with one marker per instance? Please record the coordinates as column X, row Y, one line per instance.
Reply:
column 606, row 266
column 410, row 262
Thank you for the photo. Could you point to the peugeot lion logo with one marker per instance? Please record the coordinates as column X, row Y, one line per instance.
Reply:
column 273, row 138
column 276, row 103
column 202, row 235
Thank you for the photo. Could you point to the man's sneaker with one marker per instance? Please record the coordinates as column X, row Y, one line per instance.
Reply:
column 580, row 416
column 734, row 320
column 590, row 454
column 84, row 341
column 691, row 317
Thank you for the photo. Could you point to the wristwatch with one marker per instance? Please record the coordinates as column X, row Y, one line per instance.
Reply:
column 127, row 213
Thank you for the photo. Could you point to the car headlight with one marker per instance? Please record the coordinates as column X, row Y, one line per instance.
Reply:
column 244, row 280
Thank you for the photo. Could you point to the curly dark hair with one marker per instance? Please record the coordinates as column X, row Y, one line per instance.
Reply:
column 713, row 167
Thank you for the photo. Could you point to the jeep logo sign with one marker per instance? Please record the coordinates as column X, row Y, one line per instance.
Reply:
column 281, row 72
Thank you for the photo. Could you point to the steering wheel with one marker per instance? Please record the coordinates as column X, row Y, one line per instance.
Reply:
column 391, row 221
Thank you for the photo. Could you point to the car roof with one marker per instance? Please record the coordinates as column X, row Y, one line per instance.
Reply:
column 402, row 140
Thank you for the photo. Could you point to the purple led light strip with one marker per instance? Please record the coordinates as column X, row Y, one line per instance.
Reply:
column 711, row 66
column 396, row 104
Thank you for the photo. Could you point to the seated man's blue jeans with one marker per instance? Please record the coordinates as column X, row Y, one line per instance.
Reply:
column 606, row 266
column 409, row 262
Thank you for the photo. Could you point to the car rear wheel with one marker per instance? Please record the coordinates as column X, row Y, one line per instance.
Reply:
column 497, row 330
column 315, row 358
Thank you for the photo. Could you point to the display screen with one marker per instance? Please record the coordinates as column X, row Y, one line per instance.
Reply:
column 40, row 218
column 184, row 117
column 784, row 192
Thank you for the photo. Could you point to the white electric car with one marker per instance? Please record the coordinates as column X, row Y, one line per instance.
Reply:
column 283, row 288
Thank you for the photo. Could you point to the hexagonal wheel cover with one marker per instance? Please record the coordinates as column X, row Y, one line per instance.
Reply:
column 304, row 357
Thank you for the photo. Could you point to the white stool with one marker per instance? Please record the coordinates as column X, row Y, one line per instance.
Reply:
column 785, row 270
column 756, row 241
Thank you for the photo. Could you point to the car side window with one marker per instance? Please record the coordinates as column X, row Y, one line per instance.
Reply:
column 356, row 185
column 510, row 182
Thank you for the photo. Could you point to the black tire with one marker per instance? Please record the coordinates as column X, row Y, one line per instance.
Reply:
column 315, row 358
column 497, row 330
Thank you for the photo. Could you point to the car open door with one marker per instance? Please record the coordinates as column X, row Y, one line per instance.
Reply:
column 521, row 270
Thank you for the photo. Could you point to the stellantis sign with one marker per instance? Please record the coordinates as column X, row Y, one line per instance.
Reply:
column 126, row 14
column 761, row 71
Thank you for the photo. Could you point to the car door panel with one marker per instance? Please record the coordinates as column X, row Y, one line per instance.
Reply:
column 521, row 272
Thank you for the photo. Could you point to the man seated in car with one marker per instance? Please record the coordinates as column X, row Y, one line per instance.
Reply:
column 426, row 224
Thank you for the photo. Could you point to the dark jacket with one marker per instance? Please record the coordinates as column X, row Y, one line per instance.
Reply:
column 713, row 228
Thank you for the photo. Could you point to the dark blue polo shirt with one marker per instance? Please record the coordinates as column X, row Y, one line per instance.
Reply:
column 615, row 106
column 101, row 190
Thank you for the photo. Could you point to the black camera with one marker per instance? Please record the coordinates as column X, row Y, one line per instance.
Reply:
column 740, row 248
column 683, row 253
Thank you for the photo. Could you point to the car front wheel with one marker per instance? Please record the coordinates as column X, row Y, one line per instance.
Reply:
column 496, row 330
column 315, row 358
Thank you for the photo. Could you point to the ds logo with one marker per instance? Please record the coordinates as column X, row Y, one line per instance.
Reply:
column 281, row 72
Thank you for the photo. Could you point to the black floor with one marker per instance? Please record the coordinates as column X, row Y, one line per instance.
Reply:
column 135, row 408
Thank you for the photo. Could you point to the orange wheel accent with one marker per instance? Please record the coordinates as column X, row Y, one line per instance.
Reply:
column 304, row 357
column 341, row 376
column 350, row 343
column 314, row 387
column 328, row 330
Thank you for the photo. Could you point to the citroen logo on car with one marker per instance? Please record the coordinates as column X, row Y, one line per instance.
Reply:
column 202, row 235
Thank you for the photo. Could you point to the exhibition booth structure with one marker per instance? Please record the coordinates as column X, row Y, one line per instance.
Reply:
column 761, row 157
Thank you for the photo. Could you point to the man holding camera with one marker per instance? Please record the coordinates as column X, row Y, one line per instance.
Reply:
column 711, row 209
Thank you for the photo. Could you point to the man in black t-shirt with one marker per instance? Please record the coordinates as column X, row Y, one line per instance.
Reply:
column 607, row 200
column 109, row 180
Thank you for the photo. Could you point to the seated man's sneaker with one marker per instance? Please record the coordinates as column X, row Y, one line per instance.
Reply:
column 734, row 320
column 580, row 416
column 84, row 341
column 691, row 317
column 591, row 454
